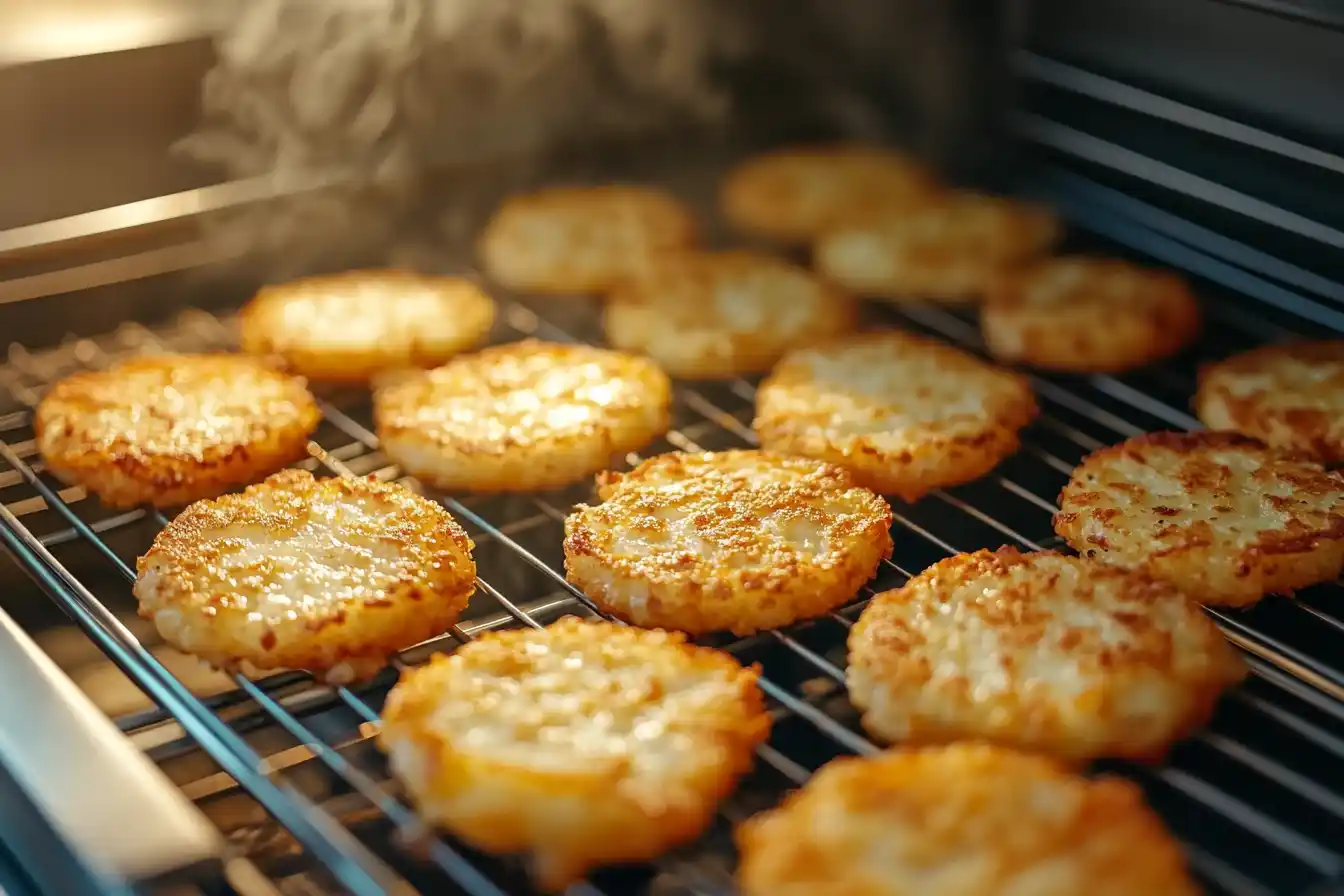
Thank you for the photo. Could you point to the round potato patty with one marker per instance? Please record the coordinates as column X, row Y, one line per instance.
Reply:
column 1222, row 517
column 1041, row 652
column 735, row 540
column 331, row 576
column 959, row 820
column 167, row 430
column 580, row 744
column 906, row 415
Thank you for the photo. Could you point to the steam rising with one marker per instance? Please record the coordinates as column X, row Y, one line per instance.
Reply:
column 386, row 87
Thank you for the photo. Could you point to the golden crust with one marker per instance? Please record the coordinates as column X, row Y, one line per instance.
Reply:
column 581, row 744
column 528, row 416
column 723, row 314
column 905, row 414
column 171, row 429
column 796, row 195
column 1224, row 518
column 951, row 250
column 1041, row 652
column 957, row 820
column 332, row 576
column 577, row 240
column 1288, row 396
column 349, row 327
column 736, row 540
column 1088, row 315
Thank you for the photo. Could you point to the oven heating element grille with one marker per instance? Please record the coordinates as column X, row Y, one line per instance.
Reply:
column 1258, row 798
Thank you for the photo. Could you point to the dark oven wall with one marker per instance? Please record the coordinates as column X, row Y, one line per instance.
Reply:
column 1209, row 130
column 1278, row 63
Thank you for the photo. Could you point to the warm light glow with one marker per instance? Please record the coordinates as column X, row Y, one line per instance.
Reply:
column 32, row 30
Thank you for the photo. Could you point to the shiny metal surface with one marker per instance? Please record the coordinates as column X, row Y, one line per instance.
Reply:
column 68, row 762
column 92, row 95
column 42, row 30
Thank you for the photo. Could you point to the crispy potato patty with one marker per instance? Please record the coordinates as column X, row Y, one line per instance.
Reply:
column 1088, row 315
column 735, row 540
column 581, row 744
column 905, row 414
column 578, row 240
column 331, row 576
column 796, row 195
column 960, row 820
column 1041, row 652
column 350, row 327
column 1224, row 518
column 168, row 430
column 1287, row 396
column 724, row 314
column 951, row 250
column 528, row 416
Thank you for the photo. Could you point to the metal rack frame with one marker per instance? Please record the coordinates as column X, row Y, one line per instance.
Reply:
column 1251, row 777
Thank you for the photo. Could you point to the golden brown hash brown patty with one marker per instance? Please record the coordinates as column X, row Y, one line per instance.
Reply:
column 527, row 416
column 905, row 414
column 796, row 195
column 1289, row 396
column 734, row 540
column 581, row 744
column 1040, row 652
column 1088, row 315
column 962, row 820
column 577, row 240
column 950, row 250
column 167, row 430
column 352, row 326
column 1222, row 517
column 328, row 575
column 724, row 314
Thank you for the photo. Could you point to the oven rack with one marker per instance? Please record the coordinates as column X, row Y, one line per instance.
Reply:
column 1247, row 796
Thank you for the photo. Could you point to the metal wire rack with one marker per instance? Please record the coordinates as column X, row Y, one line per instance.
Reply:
column 1258, row 798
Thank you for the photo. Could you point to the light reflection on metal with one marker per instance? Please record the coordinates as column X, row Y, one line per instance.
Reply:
column 39, row 30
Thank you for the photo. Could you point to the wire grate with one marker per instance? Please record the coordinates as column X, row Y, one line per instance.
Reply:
column 1258, row 798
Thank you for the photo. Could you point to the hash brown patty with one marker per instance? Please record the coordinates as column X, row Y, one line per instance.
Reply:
column 331, row 576
column 795, row 195
column 961, row 820
column 167, row 430
column 523, row 417
column 1088, row 315
column 702, row 315
column 736, row 541
column 904, row 414
column 352, row 326
column 573, row 240
column 580, row 744
column 1040, row 652
column 951, row 250
column 1289, row 396
column 1222, row 517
